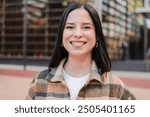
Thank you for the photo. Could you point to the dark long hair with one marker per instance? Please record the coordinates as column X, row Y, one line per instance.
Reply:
column 99, row 54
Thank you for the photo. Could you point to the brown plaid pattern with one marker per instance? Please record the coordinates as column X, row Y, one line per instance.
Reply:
column 52, row 86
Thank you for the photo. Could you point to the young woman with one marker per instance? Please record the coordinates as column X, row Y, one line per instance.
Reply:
column 80, row 66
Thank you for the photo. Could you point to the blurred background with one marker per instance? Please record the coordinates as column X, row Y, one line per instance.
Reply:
column 28, row 30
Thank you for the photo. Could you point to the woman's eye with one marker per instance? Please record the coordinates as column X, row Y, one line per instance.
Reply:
column 69, row 27
column 86, row 27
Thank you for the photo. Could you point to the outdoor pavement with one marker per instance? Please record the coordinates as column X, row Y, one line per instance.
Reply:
column 15, row 81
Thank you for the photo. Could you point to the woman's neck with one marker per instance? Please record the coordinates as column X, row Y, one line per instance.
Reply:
column 78, row 67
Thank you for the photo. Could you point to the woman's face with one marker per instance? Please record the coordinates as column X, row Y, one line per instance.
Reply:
column 79, row 36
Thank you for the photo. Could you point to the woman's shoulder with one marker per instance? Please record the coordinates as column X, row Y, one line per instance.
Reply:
column 40, row 78
column 42, row 74
column 112, row 78
column 119, row 86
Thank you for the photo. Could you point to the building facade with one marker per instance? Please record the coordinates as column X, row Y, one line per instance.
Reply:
column 28, row 28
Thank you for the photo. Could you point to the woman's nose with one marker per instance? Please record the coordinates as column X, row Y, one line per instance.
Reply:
column 78, row 33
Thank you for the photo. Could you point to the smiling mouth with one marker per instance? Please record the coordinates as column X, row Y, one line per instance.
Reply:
column 78, row 43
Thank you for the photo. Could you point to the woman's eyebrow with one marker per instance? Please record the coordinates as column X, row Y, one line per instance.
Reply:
column 86, row 23
column 70, row 23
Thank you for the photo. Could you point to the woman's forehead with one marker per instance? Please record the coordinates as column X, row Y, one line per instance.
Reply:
column 79, row 14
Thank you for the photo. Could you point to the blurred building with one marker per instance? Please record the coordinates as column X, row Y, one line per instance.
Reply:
column 144, row 21
column 28, row 28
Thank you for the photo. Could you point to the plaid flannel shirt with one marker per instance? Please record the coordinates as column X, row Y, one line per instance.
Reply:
column 52, row 86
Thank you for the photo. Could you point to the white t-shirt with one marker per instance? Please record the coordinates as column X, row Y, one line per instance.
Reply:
column 75, row 83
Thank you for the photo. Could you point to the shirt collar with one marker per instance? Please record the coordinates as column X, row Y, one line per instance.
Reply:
column 56, row 74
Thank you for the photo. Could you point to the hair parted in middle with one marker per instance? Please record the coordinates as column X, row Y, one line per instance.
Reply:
column 99, row 53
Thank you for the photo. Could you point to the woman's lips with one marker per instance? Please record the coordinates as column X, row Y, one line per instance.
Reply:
column 78, row 43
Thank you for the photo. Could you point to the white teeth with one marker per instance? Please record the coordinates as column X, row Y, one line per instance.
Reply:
column 77, row 44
